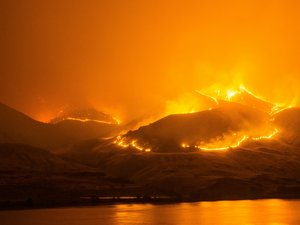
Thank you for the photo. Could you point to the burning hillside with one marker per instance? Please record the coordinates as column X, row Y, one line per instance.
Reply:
column 232, row 117
column 85, row 115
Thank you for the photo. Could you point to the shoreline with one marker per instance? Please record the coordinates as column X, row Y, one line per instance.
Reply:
column 19, row 205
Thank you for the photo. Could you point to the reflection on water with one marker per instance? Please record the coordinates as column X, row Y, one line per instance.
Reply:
column 252, row 212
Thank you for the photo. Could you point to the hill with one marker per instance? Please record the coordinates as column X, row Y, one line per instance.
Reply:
column 16, row 127
column 168, row 133
column 25, row 158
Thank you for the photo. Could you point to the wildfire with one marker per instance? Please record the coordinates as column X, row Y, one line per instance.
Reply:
column 276, row 131
column 210, row 146
column 126, row 143
column 234, row 140
column 214, row 99
column 217, row 146
column 116, row 121
column 232, row 95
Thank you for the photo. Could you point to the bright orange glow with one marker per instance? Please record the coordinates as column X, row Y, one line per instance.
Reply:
column 235, row 140
column 185, row 145
column 118, row 121
column 233, row 94
column 208, row 102
column 185, row 103
column 230, row 94
column 214, row 99
column 134, row 57
column 147, row 150
column 211, row 98
column 142, row 60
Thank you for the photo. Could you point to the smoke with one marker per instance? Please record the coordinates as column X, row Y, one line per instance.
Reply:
column 131, row 57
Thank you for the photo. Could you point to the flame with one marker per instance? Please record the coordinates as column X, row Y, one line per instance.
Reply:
column 92, row 120
column 126, row 143
column 209, row 147
column 221, row 146
column 230, row 94
column 276, row 131
column 211, row 98
column 214, row 98
column 234, row 140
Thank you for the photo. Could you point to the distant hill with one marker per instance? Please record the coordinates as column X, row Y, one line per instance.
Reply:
column 16, row 127
column 85, row 114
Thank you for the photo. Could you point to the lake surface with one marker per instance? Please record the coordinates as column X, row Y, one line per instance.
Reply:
column 248, row 212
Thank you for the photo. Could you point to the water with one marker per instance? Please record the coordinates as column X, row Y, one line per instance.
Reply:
column 265, row 212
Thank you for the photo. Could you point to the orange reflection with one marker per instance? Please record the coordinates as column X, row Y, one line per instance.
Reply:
column 245, row 212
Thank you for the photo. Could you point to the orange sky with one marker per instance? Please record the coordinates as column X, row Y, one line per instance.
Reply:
column 129, row 57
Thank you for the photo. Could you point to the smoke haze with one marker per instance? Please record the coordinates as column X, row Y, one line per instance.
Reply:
column 132, row 57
